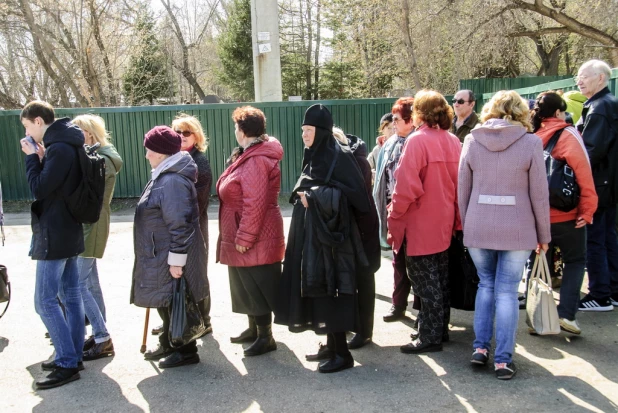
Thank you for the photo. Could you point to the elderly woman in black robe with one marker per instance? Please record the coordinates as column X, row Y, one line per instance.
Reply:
column 324, row 250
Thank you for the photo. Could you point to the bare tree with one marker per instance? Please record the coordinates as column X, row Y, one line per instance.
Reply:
column 556, row 12
column 407, row 38
column 187, row 46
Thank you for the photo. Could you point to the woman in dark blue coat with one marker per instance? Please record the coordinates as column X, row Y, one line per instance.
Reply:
column 167, row 237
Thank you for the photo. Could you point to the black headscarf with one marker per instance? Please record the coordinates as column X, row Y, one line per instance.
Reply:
column 318, row 161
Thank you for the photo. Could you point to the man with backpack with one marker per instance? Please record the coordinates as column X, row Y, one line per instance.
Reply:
column 54, row 173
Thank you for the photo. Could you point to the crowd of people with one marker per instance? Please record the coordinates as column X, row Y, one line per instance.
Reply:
column 438, row 172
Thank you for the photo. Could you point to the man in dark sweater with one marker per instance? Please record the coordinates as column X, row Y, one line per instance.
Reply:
column 53, row 173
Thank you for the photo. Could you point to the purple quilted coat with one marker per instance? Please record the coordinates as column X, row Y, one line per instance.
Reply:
column 249, row 214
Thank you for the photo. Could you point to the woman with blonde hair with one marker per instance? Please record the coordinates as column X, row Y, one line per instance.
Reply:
column 195, row 142
column 99, row 344
column 504, row 206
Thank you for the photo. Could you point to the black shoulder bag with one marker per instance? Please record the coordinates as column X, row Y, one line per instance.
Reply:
column 563, row 188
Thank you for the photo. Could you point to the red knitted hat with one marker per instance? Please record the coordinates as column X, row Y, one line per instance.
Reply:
column 163, row 140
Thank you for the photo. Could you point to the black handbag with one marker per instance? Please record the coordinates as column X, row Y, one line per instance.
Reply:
column 463, row 280
column 5, row 288
column 186, row 323
column 563, row 188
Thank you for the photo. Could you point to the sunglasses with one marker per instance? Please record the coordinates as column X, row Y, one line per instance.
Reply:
column 185, row 133
column 460, row 101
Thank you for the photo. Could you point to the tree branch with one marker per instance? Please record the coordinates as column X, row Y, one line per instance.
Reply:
column 210, row 15
column 570, row 23
column 541, row 32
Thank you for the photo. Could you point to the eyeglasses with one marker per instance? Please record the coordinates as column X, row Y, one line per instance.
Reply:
column 185, row 133
column 460, row 101
column 578, row 78
column 396, row 120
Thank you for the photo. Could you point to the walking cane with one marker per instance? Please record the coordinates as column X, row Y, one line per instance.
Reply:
column 143, row 348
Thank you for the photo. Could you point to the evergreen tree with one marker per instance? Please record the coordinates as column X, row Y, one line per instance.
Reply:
column 341, row 80
column 147, row 77
column 235, row 51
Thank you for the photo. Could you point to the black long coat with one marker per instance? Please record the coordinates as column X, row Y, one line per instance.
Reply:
column 55, row 233
column 167, row 221
column 202, row 186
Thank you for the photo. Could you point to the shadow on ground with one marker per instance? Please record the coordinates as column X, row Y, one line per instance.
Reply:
column 94, row 392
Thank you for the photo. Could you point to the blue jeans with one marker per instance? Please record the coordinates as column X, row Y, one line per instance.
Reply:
column 500, row 273
column 54, row 278
column 602, row 257
column 89, row 282
column 95, row 287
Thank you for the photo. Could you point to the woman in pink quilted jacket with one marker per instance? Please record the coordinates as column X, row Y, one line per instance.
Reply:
column 251, row 240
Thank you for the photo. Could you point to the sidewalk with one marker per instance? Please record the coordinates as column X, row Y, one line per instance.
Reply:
column 557, row 373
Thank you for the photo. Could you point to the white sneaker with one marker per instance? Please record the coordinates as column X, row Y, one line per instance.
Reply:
column 570, row 326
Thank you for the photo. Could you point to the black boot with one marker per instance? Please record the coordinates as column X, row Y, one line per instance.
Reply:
column 249, row 335
column 59, row 377
column 337, row 363
column 342, row 359
column 324, row 353
column 397, row 312
column 264, row 342
column 358, row 341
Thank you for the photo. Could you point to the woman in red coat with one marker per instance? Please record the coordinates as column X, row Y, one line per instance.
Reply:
column 251, row 240
column 423, row 214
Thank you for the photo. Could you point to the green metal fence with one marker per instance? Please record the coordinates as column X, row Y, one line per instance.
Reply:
column 128, row 125
column 481, row 86
column 565, row 85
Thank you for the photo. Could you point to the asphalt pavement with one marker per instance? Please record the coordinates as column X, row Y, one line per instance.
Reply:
column 561, row 373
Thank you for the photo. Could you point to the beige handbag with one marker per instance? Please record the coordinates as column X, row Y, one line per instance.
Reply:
column 541, row 310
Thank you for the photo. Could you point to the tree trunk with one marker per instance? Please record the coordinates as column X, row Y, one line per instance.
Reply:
column 407, row 38
column 316, row 78
column 309, row 54
column 38, row 50
column 79, row 55
column 550, row 60
column 184, row 69
column 96, row 27
column 6, row 101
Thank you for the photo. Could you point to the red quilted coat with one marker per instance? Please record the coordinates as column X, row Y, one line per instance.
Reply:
column 249, row 214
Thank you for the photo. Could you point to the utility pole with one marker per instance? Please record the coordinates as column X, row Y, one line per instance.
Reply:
column 266, row 53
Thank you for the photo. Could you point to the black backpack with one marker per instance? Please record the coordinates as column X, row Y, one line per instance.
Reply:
column 86, row 201
column 563, row 188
